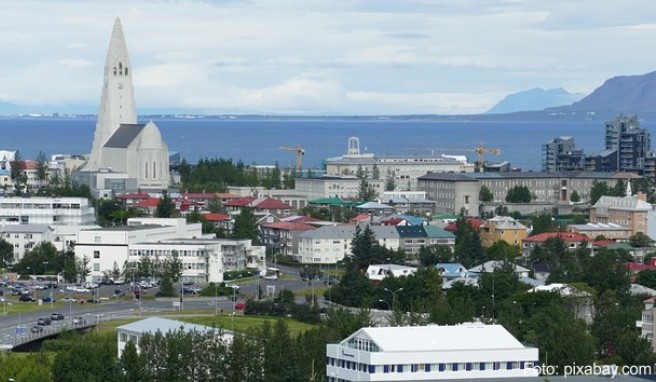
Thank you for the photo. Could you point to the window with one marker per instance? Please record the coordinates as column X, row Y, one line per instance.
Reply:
column 124, row 337
column 96, row 254
column 96, row 267
column 96, row 239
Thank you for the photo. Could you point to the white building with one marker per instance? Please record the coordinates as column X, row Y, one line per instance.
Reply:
column 23, row 237
column 121, row 143
column 404, row 169
column 341, row 186
column 466, row 351
column 133, row 332
column 46, row 210
column 328, row 245
column 203, row 260
column 377, row 272
column 108, row 248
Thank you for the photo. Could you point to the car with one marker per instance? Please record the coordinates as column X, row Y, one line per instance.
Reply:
column 56, row 316
column 24, row 298
column 48, row 299
column 68, row 299
column 37, row 329
column 94, row 300
column 119, row 292
column 187, row 290
column 44, row 321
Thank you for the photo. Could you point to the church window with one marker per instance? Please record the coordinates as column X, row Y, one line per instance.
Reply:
column 115, row 70
column 146, row 167
column 154, row 172
column 120, row 68
column 126, row 70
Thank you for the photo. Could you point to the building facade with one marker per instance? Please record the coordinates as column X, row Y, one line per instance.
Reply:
column 46, row 210
column 560, row 154
column 340, row 186
column 466, row 351
column 627, row 211
column 452, row 193
column 502, row 228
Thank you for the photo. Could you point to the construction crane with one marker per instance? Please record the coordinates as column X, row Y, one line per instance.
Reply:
column 480, row 150
column 300, row 151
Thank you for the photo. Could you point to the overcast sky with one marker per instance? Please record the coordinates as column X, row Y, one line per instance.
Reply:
column 322, row 56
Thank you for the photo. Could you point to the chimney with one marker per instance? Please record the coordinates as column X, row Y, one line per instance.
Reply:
column 641, row 196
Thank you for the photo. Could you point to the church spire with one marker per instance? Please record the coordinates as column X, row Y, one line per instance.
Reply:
column 117, row 104
column 628, row 191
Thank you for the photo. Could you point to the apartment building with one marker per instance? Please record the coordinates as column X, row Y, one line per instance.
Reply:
column 502, row 228
column 46, row 210
column 627, row 211
column 330, row 244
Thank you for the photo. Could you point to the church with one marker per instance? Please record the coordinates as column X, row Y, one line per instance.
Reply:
column 126, row 155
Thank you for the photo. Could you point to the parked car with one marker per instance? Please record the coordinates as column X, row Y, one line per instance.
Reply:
column 48, row 299
column 94, row 300
column 24, row 298
column 44, row 321
column 68, row 299
column 56, row 316
column 187, row 290
column 119, row 293
column 37, row 329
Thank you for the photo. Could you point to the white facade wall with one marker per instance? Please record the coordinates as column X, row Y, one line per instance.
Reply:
column 45, row 210
column 343, row 188
column 23, row 240
column 332, row 250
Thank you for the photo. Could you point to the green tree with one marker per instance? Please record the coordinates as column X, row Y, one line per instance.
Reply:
column 519, row 194
column 165, row 207
column 245, row 226
column 16, row 173
column 375, row 172
column 82, row 268
column 502, row 250
column 360, row 172
column 87, row 359
column 431, row 255
column 41, row 168
column 366, row 191
column 543, row 222
column 574, row 197
column 34, row 367
column 6, row 252
column 390, row 182
column 640, row 240
column 131, row 364
column 598, row 190
column 485, row 195
column 647, row 278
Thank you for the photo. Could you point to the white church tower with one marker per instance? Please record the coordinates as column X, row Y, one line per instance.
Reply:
column 123, row 148
column 117, row 104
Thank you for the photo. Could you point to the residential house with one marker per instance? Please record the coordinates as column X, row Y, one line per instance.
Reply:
column 438, row 236
column 572, row 241
column 610, row 231
column 259, row 205
column 502, row 228
column 223, row 221
column 494, row 265
column 24, row 237
column 412, row 353
column 627, row 211
column 646, row 325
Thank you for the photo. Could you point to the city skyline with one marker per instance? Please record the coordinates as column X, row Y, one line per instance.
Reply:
column 302, row 57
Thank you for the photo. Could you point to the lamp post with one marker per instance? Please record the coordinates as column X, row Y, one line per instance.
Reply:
column 216, row 299
column 45, row 271
column 394, row 292
column 389, row 307
column 33, row 289
column 234, row 297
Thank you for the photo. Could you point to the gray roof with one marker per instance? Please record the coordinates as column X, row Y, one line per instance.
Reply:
column 25, row 228
column 125, row 134
column 128, row 227
column 449, row 176
column 163, row 325
column 541, row 174
column 348, row 232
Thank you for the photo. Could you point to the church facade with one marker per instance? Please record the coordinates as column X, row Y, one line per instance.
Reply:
column 134, row 152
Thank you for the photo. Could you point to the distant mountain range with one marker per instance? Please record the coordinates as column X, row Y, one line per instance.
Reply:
column 623, row 94
column 533, row 100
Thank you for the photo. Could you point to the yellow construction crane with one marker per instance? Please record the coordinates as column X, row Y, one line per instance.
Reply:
column 480, row 150
column 300, row 151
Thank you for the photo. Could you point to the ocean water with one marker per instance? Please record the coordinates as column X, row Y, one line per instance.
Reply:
column 259, row 141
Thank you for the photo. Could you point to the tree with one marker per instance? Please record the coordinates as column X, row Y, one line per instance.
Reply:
column 375, row 172
column 598, row 190
column 640, row 240
column 82, row 268
column 485, row 195
column 131, row 364
column 165, row 208
column 366, row 191
column 245, row 226
column 429, row 256
column 502, row 250
column 543, row 222
column 360, row 172
column 6, row 252
column 390, row 182
column 574, row 197
column 519, row 194
column 41, row 168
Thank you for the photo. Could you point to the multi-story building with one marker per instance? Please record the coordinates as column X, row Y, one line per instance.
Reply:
column 466, row 351
column 403, row 169
column 107, row 249
column 23, row 237
column 330, row 244
column 502, row 228
column 626, row 211
column 631, row 142
column 459, row 193
column 610, row 231
column 340, row 186
column 46, row 210
column 560, row 154
column 452, row 193
column 282, row 237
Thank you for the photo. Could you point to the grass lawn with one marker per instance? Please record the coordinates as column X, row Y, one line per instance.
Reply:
column 242, row 324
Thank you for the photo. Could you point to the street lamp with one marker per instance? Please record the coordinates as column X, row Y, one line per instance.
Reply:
column 389, row 307
column 234, row 297
column 393, row 292
column 33, row 289
column 45, row 271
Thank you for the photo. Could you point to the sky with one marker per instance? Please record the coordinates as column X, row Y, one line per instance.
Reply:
column 322, row 57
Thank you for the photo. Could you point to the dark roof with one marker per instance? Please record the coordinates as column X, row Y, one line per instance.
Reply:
column 448, row 176
column 125, row 134
column 541, row 267
column 411, row 231
column 541, row 174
